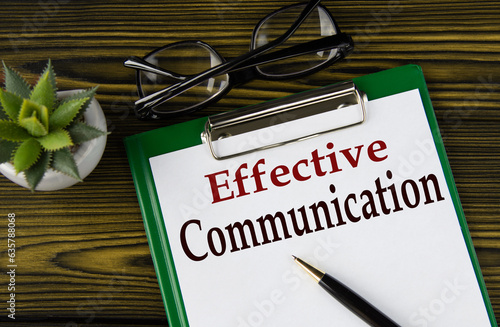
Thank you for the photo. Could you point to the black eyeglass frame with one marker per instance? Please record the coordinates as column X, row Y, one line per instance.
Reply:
column 240, row 69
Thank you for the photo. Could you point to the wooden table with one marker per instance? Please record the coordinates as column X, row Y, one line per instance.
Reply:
column 82, row 253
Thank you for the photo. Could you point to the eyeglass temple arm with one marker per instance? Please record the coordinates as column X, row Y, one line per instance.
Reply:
column 342, row 42
column 161, row 96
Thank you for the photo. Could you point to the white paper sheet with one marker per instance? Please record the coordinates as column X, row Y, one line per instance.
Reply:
column 411, row 262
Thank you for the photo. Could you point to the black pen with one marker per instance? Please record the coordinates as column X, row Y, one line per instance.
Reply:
column 348, row 298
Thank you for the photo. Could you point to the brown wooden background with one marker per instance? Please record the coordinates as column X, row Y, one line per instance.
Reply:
column 82, row 254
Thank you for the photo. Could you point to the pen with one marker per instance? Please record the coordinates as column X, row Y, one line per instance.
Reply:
column 348, row 298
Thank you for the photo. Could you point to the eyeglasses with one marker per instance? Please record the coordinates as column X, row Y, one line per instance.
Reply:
column 186, row 76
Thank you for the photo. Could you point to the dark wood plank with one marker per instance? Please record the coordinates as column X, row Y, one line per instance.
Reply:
column 82, row 252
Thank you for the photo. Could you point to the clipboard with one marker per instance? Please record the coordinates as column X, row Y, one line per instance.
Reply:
column 205, row 131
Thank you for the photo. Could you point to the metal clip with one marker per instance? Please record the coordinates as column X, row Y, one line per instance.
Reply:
column 278, row 111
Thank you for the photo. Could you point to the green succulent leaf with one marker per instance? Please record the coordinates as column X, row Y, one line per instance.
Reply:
column 65, row 113
column 55, row 140
column 64, row 162
column 14, row 83
column 11, row 131
column 26, row 154
column 11, row 104
column 32, row 110
column 88, row 94
column 35, row 173
column 44, row 92
column 6, row 150
column 81, row 132
column 33, row 126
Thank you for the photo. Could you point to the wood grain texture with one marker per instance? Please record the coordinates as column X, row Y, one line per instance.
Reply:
column 82, row 253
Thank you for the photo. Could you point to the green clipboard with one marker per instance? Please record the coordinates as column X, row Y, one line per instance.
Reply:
column 143, row 146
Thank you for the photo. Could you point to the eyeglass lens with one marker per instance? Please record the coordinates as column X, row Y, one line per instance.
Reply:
column 185, row 59
column 318, row 24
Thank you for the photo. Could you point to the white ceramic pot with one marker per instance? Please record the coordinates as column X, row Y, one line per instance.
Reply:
column 86, row 157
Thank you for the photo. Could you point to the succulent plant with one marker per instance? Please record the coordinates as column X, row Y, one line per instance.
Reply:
column 38, row 131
